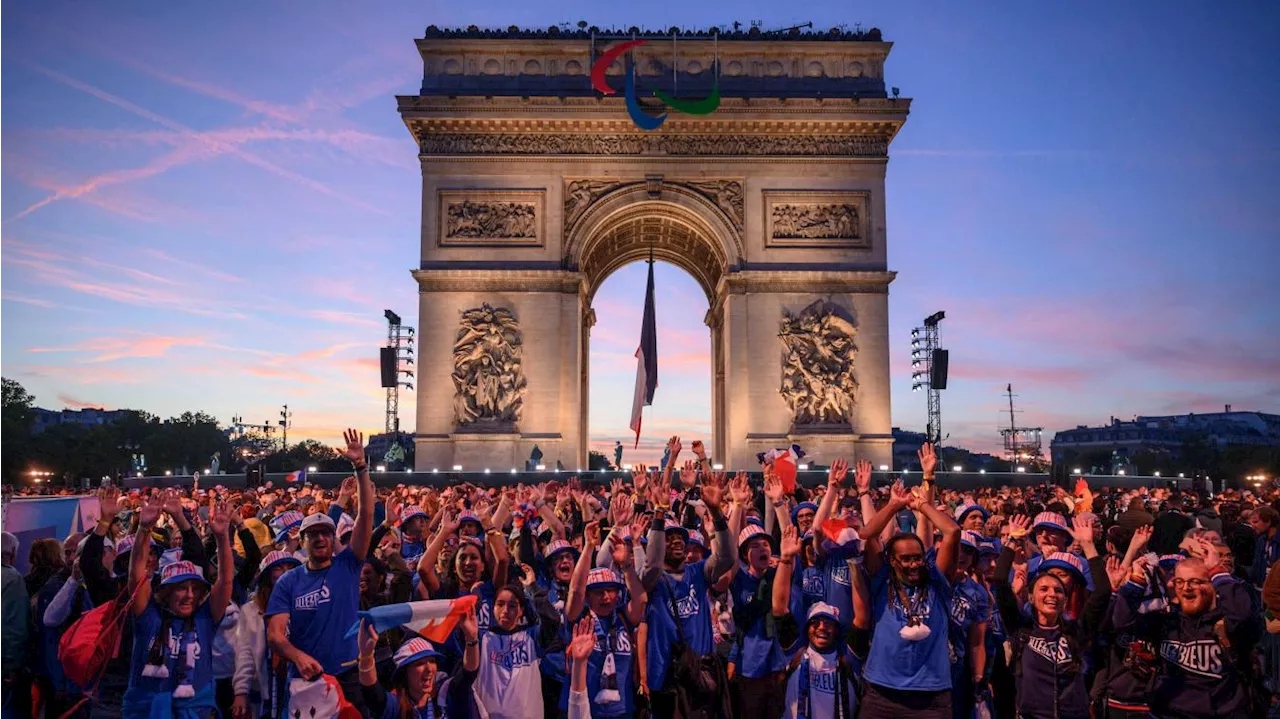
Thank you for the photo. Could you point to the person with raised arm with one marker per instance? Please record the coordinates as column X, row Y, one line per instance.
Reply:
column 1204, row 638
column 596, row 594
column 680, row 638
column 310, row 604
column 831, row 556
column 171, row 664
column 908, row 671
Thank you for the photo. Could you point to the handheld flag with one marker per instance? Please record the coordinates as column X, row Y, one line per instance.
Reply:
column 646, row 359
column 295, row 477
column 321, row 697
column 785, row 464
column 433, row 619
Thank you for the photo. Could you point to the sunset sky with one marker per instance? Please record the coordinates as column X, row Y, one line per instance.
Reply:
column 208, row 206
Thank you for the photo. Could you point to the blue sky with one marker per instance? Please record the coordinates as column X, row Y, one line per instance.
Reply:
column 207, row 206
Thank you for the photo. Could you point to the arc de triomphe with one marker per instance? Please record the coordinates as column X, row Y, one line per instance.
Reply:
column 535, row 187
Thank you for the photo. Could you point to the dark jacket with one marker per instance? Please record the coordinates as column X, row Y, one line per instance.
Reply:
column 1205, row 673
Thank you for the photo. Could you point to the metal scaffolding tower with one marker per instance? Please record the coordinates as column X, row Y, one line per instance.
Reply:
column 398, row 353
column 928, row 371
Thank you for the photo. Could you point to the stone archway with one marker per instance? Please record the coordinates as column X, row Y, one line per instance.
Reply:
column 670, row 222
column 535, row 188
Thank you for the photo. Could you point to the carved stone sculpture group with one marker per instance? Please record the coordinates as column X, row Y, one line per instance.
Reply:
column 817, row 365
column 816, row 222
column 487, row 374
column 505, row 220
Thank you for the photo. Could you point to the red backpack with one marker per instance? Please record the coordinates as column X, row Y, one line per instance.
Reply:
column 91, row 641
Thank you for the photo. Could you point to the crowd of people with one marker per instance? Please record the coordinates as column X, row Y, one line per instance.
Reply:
column 681, row 592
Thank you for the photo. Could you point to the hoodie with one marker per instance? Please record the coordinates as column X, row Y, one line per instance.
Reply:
column 1202, row 664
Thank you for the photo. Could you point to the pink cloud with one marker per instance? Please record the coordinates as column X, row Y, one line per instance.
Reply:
column 74, row 403
column 108, row 349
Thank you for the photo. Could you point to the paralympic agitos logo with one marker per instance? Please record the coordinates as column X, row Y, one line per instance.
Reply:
column 642, row 119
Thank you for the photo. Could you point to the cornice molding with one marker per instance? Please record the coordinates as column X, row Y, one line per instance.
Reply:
column 500, row 280
column 811, row 282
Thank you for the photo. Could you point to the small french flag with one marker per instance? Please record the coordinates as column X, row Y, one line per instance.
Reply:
column 433, row 619
column 295, row 477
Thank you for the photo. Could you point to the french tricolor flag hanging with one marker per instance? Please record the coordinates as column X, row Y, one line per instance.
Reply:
column 646, row 359
column 434, row 619
column 295, row 477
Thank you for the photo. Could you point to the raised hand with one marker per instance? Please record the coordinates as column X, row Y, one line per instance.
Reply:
column 584, row 640
column 928, row 459
column 674, row 445
column 712, row 496
column 149, row 512
column 108, row 503
column 640, row 478
column 790, row 546
column 1019, row 526
column 773, row 490
column 622, row 509
column 1141, row 536
column 392, row 507
column 689, row 474
column 527, row 577
column 1138, row 572
column 172, row 503
column 899, row 495
column 740, row 489
column 1209, row 554
column 1082, row 530
column 1116, row 572
column 219, row 517
column 621, row 554
column 354, row 451
column 835, row 475
column 368, row 639
column 862, row 476
column 591, row 534
column 347, row 491
column 470, row 628
column 449, row 523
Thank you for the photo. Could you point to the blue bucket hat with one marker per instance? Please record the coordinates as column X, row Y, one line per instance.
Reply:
column 795, row 511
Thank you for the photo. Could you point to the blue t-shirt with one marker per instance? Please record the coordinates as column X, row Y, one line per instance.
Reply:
column 612, row 633
column 757, row 655
column 812, row 585
column 896, row 663
column 690, row 594
column 412, row 551
column 970, row 604
column 836, row 585
column 322, row 605
column 145, row 628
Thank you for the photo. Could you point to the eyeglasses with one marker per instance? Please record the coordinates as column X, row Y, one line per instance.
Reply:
column 1193, row 583
column 910, row 559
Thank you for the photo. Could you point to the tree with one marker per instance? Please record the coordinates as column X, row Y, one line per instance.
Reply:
column 15, row 434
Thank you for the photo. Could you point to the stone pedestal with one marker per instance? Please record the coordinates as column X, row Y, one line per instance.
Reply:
column 496, row 451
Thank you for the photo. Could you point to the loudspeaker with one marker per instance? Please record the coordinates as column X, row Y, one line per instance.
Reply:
column 938, row 371
column 390, row 370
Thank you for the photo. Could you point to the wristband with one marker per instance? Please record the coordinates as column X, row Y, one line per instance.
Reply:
column 472, row 642
column 360, row 467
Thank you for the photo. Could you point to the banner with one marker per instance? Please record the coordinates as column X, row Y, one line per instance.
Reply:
column 55, row 517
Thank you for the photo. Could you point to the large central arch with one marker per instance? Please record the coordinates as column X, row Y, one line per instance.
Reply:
column 535, row 189
column 671, row 223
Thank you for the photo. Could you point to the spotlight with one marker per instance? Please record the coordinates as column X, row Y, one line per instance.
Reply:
column 168, row 473
column 381, row 468
column 513, row 470
column 435, row 471
column 313, row 468
column 884, row 468
column 957, row 468
column 1076, row 470
column 716, row 467
column 803, row 468
column 457, row 468
column 540, row 467
column 1022, row 469
column 1120, row 472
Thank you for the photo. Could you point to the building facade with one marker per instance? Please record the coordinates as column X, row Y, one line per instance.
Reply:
column 768, row 188
column 1168, row 434
column 45, row 418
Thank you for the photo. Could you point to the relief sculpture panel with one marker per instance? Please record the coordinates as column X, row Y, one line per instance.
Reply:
column 816, row 219
column 817, row 365
column 473, row 218
column 487, row 373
